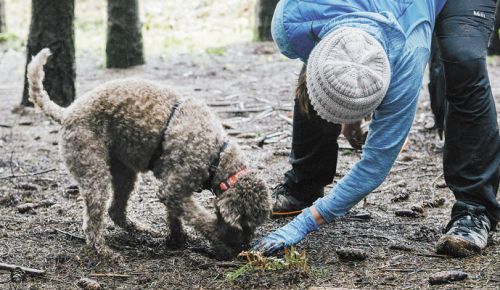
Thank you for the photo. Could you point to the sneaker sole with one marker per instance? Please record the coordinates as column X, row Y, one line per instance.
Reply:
column 456, row 247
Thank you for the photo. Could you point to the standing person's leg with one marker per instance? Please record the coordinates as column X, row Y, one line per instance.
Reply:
column 437, row 86
column 472, row 141
column 494, row 47
column 313, row 156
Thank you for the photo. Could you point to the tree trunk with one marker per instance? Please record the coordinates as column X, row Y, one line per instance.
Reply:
column 3, row 20
column 263, row 15
column 52, row 26
column 494, row 47
column 124, row 46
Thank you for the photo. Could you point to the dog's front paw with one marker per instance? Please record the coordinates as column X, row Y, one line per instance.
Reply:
column 103, row 253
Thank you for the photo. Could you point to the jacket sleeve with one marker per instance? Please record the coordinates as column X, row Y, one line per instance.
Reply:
column 390, row 125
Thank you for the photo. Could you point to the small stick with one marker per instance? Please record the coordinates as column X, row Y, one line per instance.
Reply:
column 436, row 179
column 241, row 111
column 29, row 174
column 12, row 267
column 5, row 126
column 114, row 275
column 430, row 255
column 288, row 120
column 69, row 234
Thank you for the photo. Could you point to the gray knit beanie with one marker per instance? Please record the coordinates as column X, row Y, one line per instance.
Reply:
column 348, row 74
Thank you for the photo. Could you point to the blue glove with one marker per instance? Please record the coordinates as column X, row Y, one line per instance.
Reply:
column 288, row 235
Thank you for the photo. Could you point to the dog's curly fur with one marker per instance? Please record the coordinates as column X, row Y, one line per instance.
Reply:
column 110, row 134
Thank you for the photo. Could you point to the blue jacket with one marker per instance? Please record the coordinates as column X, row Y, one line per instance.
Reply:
column 404, row 28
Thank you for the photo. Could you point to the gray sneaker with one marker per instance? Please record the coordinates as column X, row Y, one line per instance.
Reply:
column 465, row 235
column 285, row 204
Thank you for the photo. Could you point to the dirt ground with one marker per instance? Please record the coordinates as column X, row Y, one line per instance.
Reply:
column 251, row 88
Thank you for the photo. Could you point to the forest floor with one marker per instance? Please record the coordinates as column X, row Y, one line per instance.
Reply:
column 250, row 86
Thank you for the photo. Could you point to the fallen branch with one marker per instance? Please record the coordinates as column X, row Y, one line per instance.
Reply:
column 447, row 277
column 69, row 234
column 12, row 267
column 288, row 120
column 29, row 174
column 5, row 126
column 436, row 179
column 114, row 275
column 26, row 207
column 243, row 111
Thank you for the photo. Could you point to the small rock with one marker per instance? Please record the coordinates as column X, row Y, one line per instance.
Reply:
column 282, row 152
column 246, row 135
column 401, row 247
column 26, row 186
column 441, row 184
column 417, row 209
column 401, row 196
column 89, row 284
column 71, row 190
column 25, row 123
column 408, row 213
column 30, row 206
column 351, row 254
column 438, row 202
column 26, row 207
column 447, row 277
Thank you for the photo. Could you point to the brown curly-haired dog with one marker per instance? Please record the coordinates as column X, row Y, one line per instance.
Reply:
column 124, row 127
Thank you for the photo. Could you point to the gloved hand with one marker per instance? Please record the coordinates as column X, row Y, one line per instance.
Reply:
column 288, row 235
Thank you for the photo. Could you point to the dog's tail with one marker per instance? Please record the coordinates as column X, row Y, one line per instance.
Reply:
column 37, row 94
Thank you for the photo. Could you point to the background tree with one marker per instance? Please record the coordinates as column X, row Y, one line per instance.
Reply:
column 494, row 48
column 52, row 26
column 3, row 21
column 263, row 15
column 124, row 46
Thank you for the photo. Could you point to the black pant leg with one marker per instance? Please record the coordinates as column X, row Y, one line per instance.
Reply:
column 437, row 86
column 472, row 141
column 313, row 156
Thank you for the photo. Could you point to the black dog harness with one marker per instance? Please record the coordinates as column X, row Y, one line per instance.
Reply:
column 214, row 165
column 159, row 150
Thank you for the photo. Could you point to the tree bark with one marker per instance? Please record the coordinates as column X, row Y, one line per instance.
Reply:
column 124, row 46
column 494, row 47
column 52, row 26
column 3, row 20
column 263, row 15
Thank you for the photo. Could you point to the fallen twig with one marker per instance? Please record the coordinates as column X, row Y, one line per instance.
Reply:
column 436, row 179
column 29, row 174
column 12, row 267
column 69, row 234
column 288, row 120
column 447, row 277
column 115, row 275
column 26, row 207
column 5, row 126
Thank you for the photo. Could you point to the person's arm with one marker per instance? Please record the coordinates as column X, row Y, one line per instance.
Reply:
column 389, row 127
column 388, row 130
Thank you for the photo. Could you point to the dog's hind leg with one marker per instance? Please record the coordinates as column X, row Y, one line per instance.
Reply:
column 87, row 159
column 123, row 180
